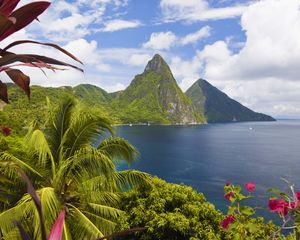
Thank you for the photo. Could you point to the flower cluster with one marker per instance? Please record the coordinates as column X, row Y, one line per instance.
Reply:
column 229, row 219
column 234, row 195
column 282, row 206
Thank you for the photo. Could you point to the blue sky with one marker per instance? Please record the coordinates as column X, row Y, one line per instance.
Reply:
column 248, row 49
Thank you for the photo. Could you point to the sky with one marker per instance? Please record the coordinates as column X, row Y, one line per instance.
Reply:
column 248, row 49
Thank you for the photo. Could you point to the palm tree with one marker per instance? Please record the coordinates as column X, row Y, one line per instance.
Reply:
column 69, row 171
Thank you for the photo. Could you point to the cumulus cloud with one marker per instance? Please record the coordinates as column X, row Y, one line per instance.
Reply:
column 161, row 40
column 166, row 40
column 264, row 74
column 119, row 24
column 197, row 10
column 193, row 38
column 65, row 21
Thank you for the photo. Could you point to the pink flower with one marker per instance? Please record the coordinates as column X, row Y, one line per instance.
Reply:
column 228, row 183
column 278, row 206
column 6, row 131
column 293, row 204
column 228, row 195
column 250, row 186
column 298, row 195
column 228, row 220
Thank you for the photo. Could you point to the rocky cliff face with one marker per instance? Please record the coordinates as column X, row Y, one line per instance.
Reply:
column 218, row 107
column 156, row 91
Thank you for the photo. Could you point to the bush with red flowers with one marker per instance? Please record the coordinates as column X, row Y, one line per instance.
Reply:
column 240, row 223
column 287, row 206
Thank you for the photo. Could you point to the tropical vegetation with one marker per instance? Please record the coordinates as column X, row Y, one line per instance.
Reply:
column 71, row 163
column 12, row 20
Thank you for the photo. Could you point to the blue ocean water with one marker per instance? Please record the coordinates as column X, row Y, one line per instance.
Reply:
column 206, row 156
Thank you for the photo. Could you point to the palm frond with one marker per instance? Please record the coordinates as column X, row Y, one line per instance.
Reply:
column 86, row 128
column 9, row 160
column 59, row 125
column 85, row 163
column 119, row 149
column 82, row 226
column 38, row 145
column 130, row 179
column 24, row 208
column 106, row 226
column 50, row 206
column 105, row 211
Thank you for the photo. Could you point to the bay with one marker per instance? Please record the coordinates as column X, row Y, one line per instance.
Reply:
column 207, row 156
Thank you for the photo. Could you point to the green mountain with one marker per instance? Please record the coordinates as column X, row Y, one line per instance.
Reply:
column 218, row 107
column 21, row 111
column 155, row 97
column 152, row 97
column 91, row 94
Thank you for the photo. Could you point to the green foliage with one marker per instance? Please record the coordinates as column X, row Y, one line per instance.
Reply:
column 69, row 172
column 243, row 223
column 21, row 112
column 170, row 211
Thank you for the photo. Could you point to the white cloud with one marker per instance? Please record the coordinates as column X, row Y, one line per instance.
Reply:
column 197, row 10
column 186, row 71
column 119, row 24
column 161, row 40
column 139, row 59
column 264, row 74
column 166, row 40
column 65, row 21
column 193, row 38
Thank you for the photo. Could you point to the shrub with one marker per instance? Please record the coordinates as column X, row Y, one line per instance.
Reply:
column 170, row 211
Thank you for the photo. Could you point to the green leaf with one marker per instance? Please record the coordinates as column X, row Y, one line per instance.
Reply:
column 246, row 210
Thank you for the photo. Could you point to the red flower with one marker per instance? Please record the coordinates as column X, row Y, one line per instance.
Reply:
column 228, row 195
column 298, row 195
column 278, row 206
column 228, row 183
column 6, row 131
column 250, row 186
column 229, row 219
column 294, row 204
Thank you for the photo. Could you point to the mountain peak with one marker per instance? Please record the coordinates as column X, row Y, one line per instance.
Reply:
column 156, row 64
column 218, row 107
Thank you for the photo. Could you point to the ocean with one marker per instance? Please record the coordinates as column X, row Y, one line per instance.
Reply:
column 207, row 156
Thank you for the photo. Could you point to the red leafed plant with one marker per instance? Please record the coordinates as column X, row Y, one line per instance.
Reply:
column 11, row 21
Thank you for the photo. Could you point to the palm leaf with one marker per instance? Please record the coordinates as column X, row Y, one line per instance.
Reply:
column 83, row 227
column 118, row 148
column 14, row 162
column 105, row 225
column 129, row 179
column 38, row 144
column 50, row 206
column 59, row 125
column 105, row 211
column 85, row 129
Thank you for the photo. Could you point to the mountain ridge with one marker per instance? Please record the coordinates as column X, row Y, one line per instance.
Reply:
column 152, row 97
column 219, row 107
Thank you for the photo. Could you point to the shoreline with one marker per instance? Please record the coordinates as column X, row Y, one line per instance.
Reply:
column 189, row 124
